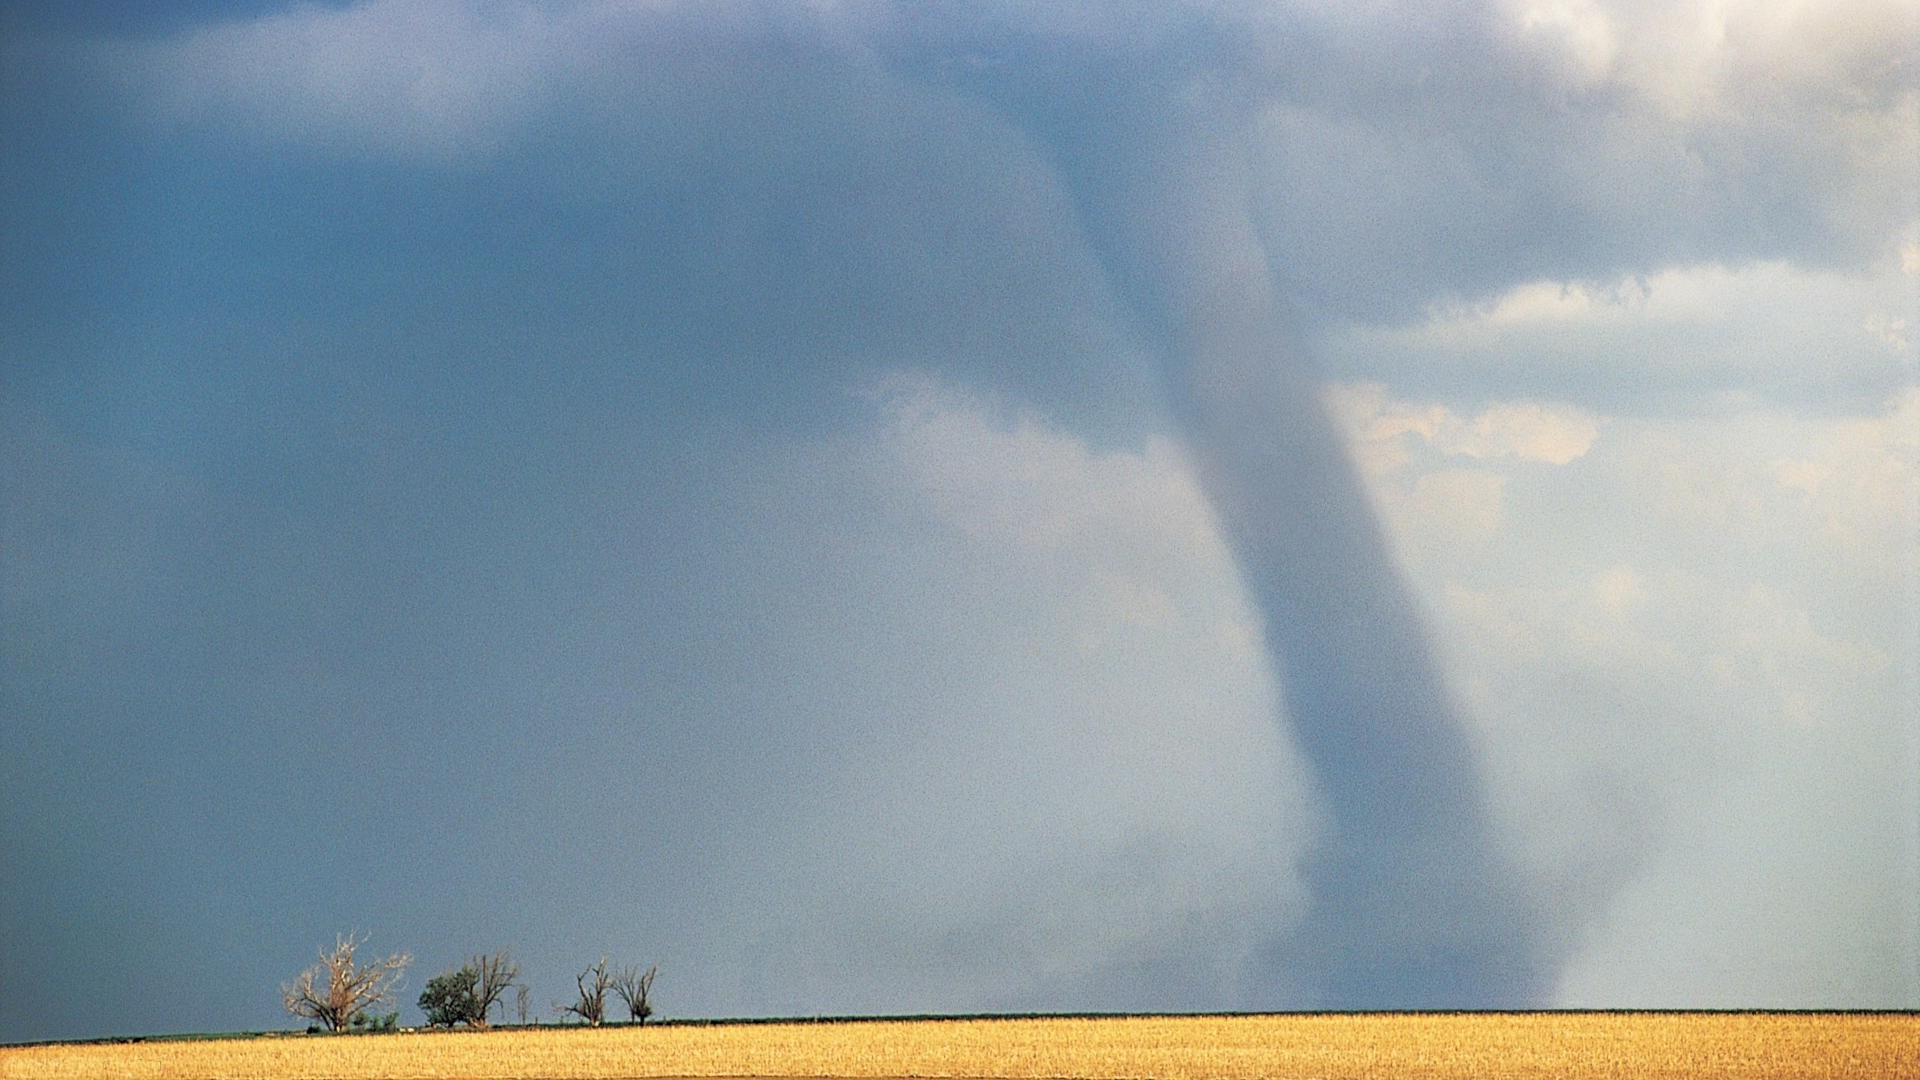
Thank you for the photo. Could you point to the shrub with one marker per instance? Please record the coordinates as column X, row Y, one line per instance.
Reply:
column 363, row 1024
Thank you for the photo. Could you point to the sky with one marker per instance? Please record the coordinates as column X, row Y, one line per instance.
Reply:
column 956, row 507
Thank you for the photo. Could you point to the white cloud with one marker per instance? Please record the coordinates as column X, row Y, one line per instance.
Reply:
column 1687, row 654
column 1555, row 434
column 1682, row 338
column 1410, row 455
column 1546, row 432
column 1713, row 56
column 1838, row 491
column 1065, row 493
column 1581, row 30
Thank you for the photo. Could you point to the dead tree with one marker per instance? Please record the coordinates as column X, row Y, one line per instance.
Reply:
column 492, row 975
column 594, row 983
column 339, row 987
column 633, row 986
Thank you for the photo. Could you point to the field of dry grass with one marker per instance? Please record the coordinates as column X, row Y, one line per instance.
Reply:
column 1563, row 1045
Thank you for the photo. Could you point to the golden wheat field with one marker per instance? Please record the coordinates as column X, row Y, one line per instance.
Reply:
column 1480, row 1045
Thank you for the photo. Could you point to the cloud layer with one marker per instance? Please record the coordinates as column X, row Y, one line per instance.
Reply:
column 729, row 443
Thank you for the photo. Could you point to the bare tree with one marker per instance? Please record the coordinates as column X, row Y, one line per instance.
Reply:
column 633, row 986
column 339, row 987
column 494, row 974
column 593, row 983
column 522, row 998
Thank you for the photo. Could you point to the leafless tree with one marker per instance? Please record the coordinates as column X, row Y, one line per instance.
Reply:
column 339, row 986
column 522, row 998
column 633, row 986
column 594, row 983
column 493, row 974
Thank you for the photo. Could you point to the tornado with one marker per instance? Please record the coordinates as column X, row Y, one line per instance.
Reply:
column 1411, row 905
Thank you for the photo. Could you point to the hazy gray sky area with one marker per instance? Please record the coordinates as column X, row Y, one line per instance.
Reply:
column 904, row 507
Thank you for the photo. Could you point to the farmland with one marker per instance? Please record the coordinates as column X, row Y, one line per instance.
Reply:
column 1496, row 1045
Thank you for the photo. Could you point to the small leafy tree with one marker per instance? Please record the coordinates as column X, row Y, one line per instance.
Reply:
column 339, row 988
column 592, row 1004
column 449, row 998
column 467, row 996
column 633, row 987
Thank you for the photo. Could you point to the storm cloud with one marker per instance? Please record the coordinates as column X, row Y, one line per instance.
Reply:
column 962, row 506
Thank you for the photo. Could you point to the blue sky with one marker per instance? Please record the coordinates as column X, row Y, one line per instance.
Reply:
column 896, row 508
